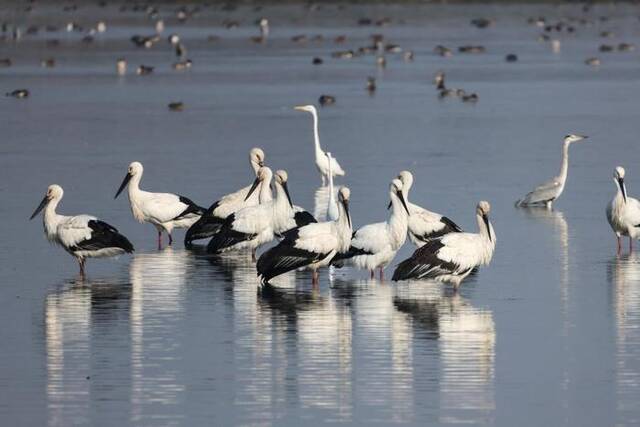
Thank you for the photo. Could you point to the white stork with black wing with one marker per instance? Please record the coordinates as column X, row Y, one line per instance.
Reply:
column 213, row 218
column 375, row 245
column 165, row 211
column 253, row 226
column 623, row 212
column 452, row 257
column 311, row 246
column 83, row 236
column 423, row 224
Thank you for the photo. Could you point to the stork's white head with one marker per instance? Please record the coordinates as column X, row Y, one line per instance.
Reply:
column 281, row 177
column 395, row 189
column 483, row 208
column 264, row 174
column 618, row 177
column 308, row 108
column 256, row 157
column 54, row 192
column 343, row 197
column 574, row 138
column 407, row 179
column 135, row 168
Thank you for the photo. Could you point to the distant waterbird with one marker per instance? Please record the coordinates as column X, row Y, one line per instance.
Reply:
column 545, row 194
column 82, row 236
column 311, row 246
column 452, row 257
column 322, row 162
column 623, row 212
column 165, row 211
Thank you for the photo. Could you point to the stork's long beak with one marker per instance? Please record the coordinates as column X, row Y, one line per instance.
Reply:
column 125, row 181
column 261, row 163
column 389, row 205
column 345, row 203
column 255, row 184
column 404, row 203
column 624, row 191
column 286, row 191
column 485, row 218
column 41, row 206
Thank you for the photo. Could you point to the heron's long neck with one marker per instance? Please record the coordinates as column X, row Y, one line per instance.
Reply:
column 51, row 219
column 564, row 168
column 331, row 198
column 316, row 135
column 398, row 222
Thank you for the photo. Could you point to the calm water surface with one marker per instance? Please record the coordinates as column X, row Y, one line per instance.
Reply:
column 549, row 334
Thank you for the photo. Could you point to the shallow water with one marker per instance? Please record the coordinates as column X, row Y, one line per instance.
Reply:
column 548, row 334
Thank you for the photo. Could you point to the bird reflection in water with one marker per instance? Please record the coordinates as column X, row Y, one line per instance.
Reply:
column 80, row 318
column 465, row 338
column 623, row 274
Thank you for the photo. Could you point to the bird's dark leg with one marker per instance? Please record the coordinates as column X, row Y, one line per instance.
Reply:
column 253, row 255
column 381, row 273
column 630, row 244
column 159, row 240
column 619, row 245
column 372, row 274
column 315, row 278
column 170, row 239
column 81, row 264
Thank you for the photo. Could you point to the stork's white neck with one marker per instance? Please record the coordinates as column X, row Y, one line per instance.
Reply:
column 398, row 222
column 265, row 191
column 485, row 231
column 51, row 219
column 282, row 211
column 343, row 228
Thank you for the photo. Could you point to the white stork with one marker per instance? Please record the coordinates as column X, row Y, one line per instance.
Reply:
column 165, row 211
column 452, row 257
column 311, row 246
column 375, row 245
column 322, row 161
column 210, row 222
column 253, row 226
column 623, row 212
column 83, row 236
column 423, row 224
column 545, row 194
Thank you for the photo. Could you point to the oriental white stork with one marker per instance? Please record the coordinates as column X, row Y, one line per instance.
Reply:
column 82, row 236
column 165, row 211
column 311, row 246
column 452, row 257
column 211, row 221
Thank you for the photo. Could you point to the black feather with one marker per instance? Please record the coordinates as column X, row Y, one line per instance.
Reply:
column 206, row 226
column 303, row 218
column 449, row 227
column 285, row 257
column 192, row 208
column 103, row 236
column 227, row 236
column 422, row 263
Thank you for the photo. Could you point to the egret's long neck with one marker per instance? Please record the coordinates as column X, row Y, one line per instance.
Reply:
column 331, row 198
column 51, row 219
column 564, row 168
column 398, row 222
column 316, row 135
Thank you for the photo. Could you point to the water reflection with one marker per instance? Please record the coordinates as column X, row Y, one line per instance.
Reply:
column 157, row 308
column 465, row 345
column 624, row 275
column 73, row 313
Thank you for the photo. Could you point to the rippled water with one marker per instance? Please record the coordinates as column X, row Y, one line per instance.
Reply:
column 549, row 334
